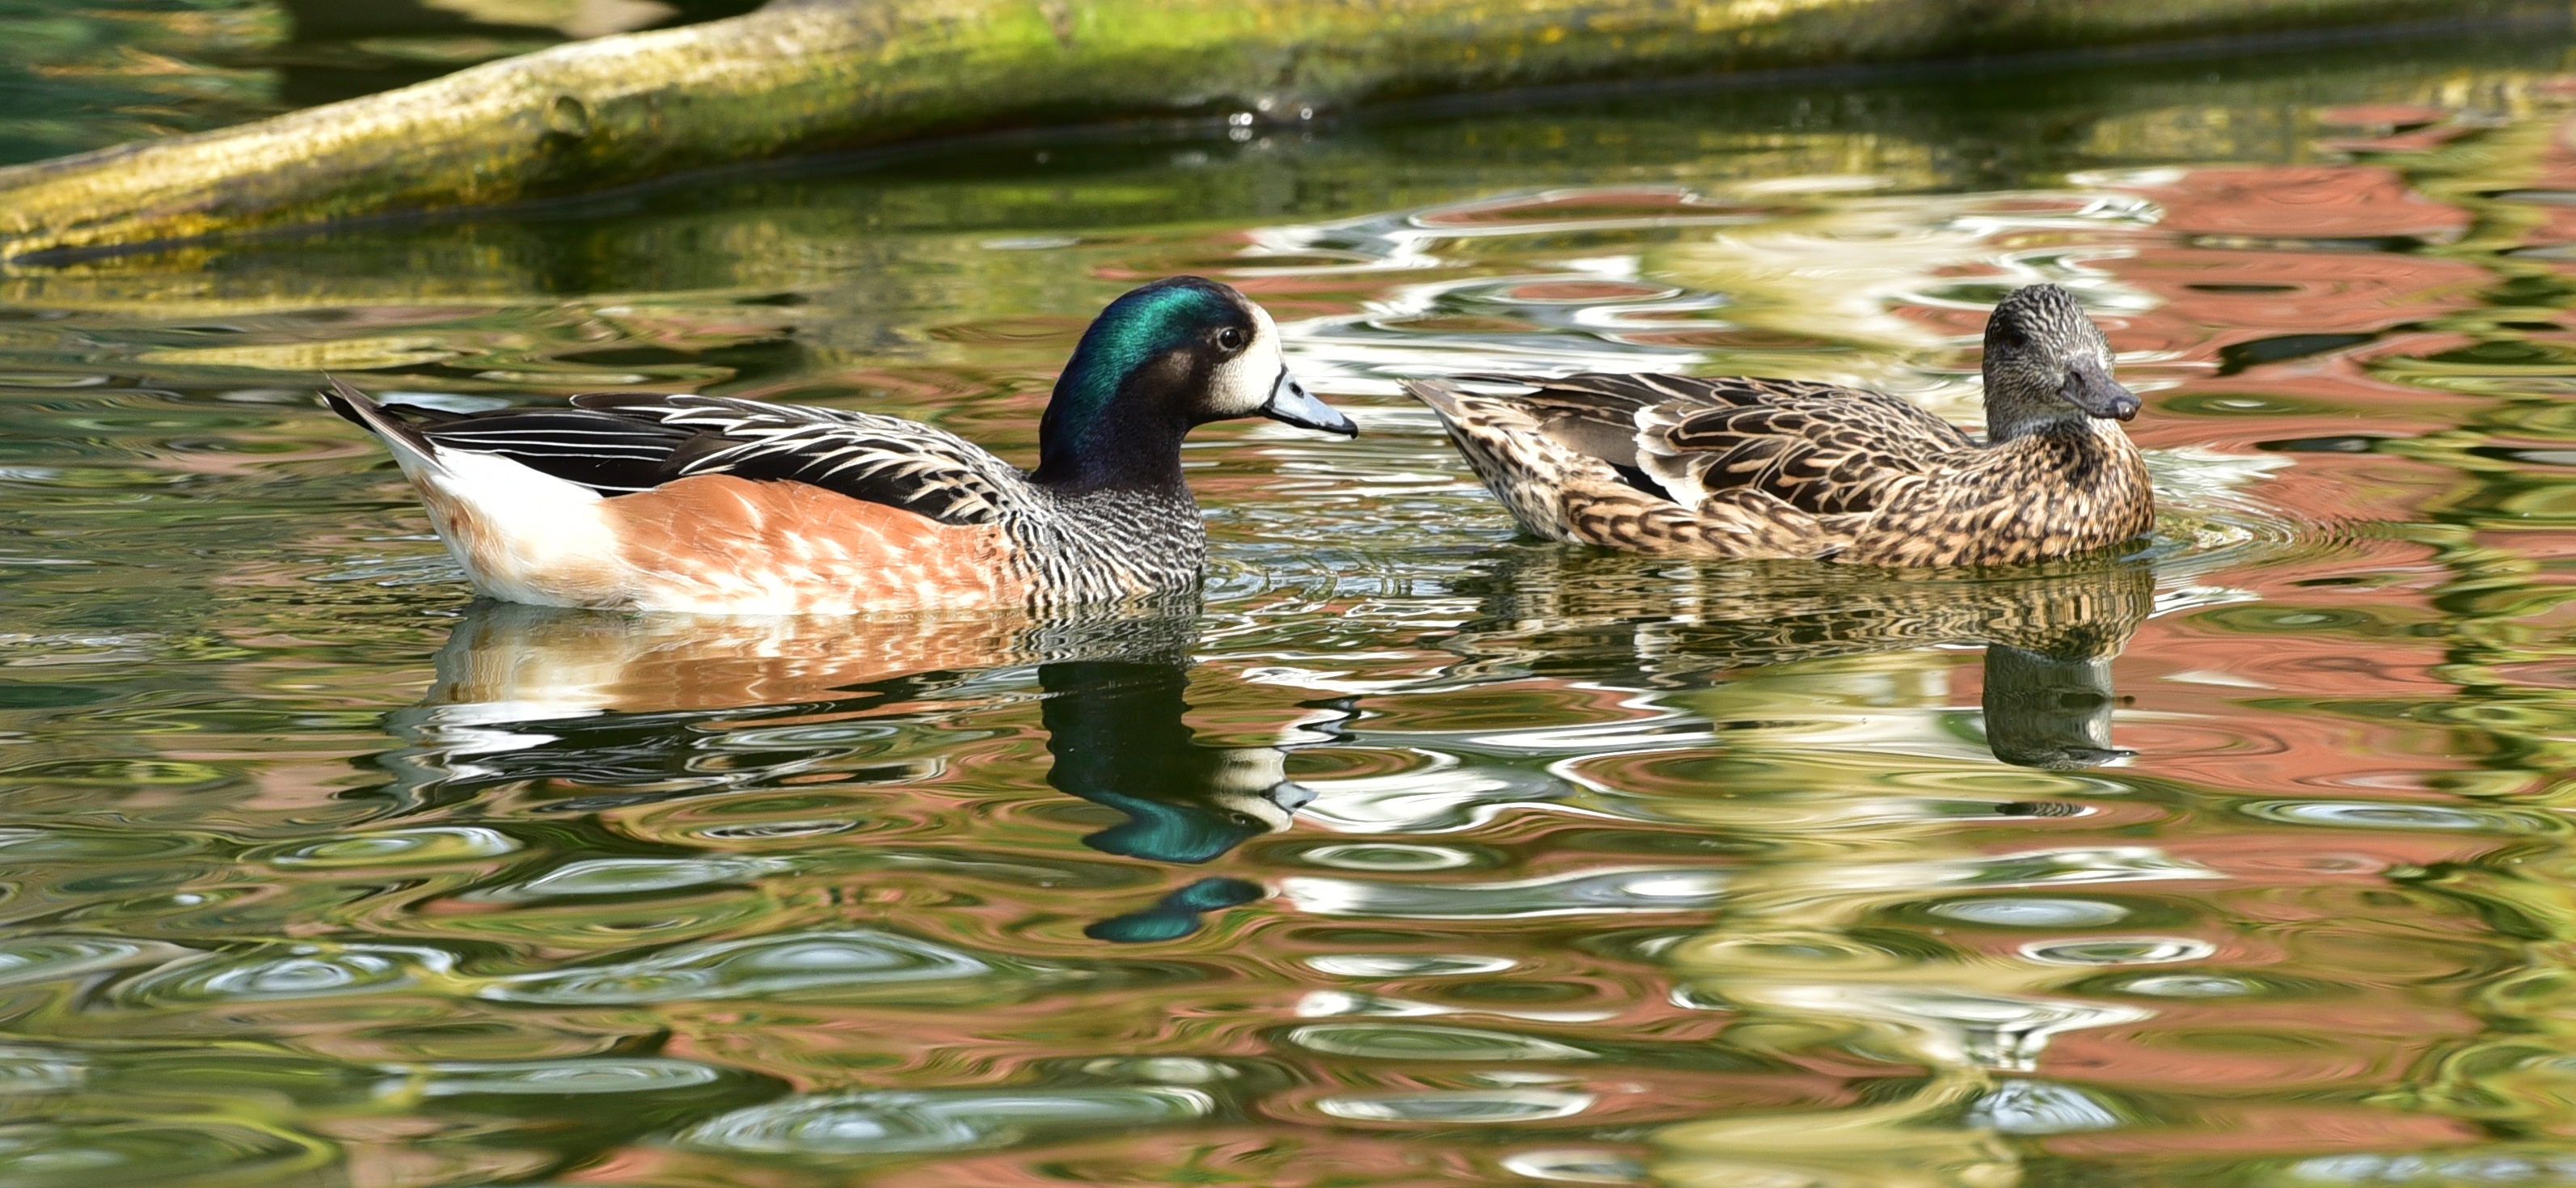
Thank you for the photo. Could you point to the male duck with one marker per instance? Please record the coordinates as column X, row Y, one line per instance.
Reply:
column 724, row 506
column 1768, row 468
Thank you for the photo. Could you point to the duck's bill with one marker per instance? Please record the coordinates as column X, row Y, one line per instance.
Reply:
column 1290, row 402
column 2097, row 394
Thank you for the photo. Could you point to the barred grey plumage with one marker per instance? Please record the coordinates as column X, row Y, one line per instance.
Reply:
column 1108, row 544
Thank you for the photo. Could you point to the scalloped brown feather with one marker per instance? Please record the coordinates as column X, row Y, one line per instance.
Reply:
column 1766, row 468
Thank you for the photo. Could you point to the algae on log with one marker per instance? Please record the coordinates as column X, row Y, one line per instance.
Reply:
column 809, row 74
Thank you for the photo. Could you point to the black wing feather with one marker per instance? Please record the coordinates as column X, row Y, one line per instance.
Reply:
column 905, row 464
column 619, row 443
column 609, row 454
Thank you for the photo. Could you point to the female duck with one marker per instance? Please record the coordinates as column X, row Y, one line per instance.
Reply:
column 724, row 506
column 1766, row 468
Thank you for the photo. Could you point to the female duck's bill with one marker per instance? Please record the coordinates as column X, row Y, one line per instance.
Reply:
column 719, row 505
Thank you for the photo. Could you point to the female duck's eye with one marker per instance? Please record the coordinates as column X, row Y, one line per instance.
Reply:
column 1230, row 339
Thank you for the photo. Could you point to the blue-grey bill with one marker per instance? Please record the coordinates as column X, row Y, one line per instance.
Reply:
column 1290, row 403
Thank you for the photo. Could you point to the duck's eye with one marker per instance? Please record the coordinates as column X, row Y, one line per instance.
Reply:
column 1229, row 339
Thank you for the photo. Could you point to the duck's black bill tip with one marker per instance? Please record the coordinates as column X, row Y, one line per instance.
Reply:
column 1291, row 404
column 2098, row 395
column 2122, row 408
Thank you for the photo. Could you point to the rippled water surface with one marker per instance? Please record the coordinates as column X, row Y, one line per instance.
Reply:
column 1419, row 854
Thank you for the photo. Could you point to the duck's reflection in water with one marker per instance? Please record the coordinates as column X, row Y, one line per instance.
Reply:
column 2049, row 632
column 1115, row 729
column 2049, row 710
column 627, row 710
column 1800, row 956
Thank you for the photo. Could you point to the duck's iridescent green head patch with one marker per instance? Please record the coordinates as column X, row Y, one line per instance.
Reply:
column 1140, row 329
column 1162, row 358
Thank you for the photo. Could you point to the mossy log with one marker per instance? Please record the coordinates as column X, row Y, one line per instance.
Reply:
column 816, row 74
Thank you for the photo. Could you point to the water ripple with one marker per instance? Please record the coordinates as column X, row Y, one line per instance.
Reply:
column 550, row 1078
column 1407, row 1041
column 30, row 959
column 1460, row 1107
column 422, row 846
column 2118, row 950
column 1581, row 893
column 82, row 1153
column 1407, row 965
column 2394, row 815
column 635, row 876
column 856, row 964
column 873, row 1123
column 285, row 972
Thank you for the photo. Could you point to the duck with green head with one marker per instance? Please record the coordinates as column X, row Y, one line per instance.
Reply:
column 718, row 505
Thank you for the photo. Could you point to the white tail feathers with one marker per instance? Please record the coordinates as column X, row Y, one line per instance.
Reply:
column 521, row 534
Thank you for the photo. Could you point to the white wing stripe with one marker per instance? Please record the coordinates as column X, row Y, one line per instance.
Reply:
column 443, row 431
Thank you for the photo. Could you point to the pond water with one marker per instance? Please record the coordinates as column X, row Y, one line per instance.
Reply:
column 1418, row 853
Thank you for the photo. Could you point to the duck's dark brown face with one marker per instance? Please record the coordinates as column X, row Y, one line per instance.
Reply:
column 2046, row 362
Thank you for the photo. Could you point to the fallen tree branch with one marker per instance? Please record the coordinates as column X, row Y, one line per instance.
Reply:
column 836, row 73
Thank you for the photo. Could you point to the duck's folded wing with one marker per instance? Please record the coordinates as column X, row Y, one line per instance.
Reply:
column 1820, row 448
column 608, row 454
column 888, row 460
column 618, row 443
column 1566, row 465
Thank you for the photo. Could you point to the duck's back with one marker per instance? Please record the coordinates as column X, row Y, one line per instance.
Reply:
column 1821, row 448
column 1728, row 467
column 1896, row 484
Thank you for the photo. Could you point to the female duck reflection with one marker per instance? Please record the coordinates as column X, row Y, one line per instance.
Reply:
column 629, row 710
column 2050, row 631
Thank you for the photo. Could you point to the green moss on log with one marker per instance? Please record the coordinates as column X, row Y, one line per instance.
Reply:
column 839, row 73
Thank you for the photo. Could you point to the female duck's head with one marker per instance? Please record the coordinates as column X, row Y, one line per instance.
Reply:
column 2046, row 363
column 1165, row 357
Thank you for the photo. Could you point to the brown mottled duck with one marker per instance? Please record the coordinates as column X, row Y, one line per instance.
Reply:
column 1771, row 468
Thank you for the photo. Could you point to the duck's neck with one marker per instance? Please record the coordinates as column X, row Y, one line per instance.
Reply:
column 1101, row 436
column 2085, row 454
column 2075, row 432
column 2006, row 421
column 2101, row 432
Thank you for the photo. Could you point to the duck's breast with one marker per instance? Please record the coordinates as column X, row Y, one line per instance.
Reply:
column 725, row 545
column 2032, row 499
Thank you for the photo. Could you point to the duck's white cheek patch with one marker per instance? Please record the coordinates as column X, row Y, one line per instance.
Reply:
column 1241, row 385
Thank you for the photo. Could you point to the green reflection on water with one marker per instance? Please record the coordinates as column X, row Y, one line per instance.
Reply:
column 1415, row 853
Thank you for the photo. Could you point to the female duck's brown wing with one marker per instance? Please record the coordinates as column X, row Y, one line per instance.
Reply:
column 1568, row 469
column 1823, row 449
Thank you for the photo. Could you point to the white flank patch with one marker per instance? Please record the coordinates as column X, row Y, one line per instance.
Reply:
column 534, row 532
